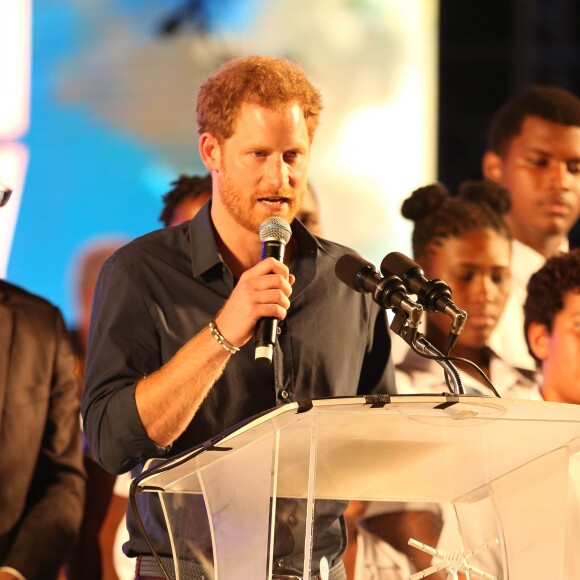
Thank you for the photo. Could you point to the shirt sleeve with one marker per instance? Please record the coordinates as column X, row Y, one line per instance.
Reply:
column 123, row 348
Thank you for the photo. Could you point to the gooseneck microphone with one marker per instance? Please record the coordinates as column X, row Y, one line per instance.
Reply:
column 387, row 292
column 390, row 292
column 275, row 233
column 434, row 295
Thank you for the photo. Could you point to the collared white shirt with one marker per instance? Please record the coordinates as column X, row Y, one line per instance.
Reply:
column 508, row 338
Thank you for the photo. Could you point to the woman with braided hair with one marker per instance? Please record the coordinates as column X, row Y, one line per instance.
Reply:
column 464, row 241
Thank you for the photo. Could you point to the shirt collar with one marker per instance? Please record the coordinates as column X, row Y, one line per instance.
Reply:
column 205, row 254
column 304, row 261
column 203, row 246
column 526, row 261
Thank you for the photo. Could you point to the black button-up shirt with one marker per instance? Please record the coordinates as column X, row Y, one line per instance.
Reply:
column 160, row 290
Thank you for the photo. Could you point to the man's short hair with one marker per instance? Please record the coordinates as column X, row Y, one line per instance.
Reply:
column 548, row 287
column 553, row 104
column 267, row 81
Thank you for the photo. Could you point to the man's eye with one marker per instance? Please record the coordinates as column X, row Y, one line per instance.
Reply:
column 537, row 162
column 465, row 277
column 500, row 278
column 573, row 167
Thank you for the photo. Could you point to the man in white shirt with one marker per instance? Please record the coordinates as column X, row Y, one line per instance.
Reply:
column 534, row 152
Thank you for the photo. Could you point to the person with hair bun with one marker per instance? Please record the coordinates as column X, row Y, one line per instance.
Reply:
column 464, row 241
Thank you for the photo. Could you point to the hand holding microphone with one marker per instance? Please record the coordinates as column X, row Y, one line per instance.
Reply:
column 261, row 297
column 275, row 233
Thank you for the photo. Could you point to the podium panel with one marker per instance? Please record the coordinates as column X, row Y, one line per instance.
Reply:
column 264, row 498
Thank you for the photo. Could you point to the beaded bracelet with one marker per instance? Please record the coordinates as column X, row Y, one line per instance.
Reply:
column 226, row 344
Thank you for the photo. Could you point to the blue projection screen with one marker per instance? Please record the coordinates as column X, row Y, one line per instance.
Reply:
column 99, row 117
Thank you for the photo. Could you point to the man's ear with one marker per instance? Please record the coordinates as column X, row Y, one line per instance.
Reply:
column 539, row 340
column 492, row 166
column 210, row 151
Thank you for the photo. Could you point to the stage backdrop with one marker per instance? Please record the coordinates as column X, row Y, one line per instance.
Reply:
column 97, row 115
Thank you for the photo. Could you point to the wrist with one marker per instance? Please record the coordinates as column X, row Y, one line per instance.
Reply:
column 8, row 573
column 221, row 339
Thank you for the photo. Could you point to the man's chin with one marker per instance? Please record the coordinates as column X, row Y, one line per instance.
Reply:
column 557, row 227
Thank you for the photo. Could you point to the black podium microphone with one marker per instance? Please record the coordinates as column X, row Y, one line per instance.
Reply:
column 274, row 233
column 434, row 295
column 360, row 275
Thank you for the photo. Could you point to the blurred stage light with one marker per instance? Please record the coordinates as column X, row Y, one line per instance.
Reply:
column 15, row 54
column 15, row 68
column 13, row 163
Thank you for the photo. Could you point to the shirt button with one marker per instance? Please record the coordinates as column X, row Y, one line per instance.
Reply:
column 281, row 563
column 292, row 520
column 284, row 394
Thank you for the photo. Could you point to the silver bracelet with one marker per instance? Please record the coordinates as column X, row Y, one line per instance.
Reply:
column 224, row 342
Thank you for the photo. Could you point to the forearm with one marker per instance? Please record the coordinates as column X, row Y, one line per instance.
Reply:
column 140, row 396
column 10, row 574
column 168, row 399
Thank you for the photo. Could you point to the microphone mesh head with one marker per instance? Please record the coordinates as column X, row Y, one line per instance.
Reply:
column 275, row 229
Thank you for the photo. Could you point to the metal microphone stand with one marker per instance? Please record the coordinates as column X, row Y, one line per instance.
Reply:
column 406, row 325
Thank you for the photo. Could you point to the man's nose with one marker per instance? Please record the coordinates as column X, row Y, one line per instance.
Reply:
column 483, row 289
column 277, row 172
column 560, row 176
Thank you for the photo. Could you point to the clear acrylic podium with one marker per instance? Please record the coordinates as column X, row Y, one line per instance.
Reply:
column 501, row 465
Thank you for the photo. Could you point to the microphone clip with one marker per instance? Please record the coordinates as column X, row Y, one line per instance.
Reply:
column 391, row 293
column 408, row 314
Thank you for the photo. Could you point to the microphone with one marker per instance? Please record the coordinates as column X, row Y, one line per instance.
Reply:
column 434, row 295
column 274, row 233
column 387, row 292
